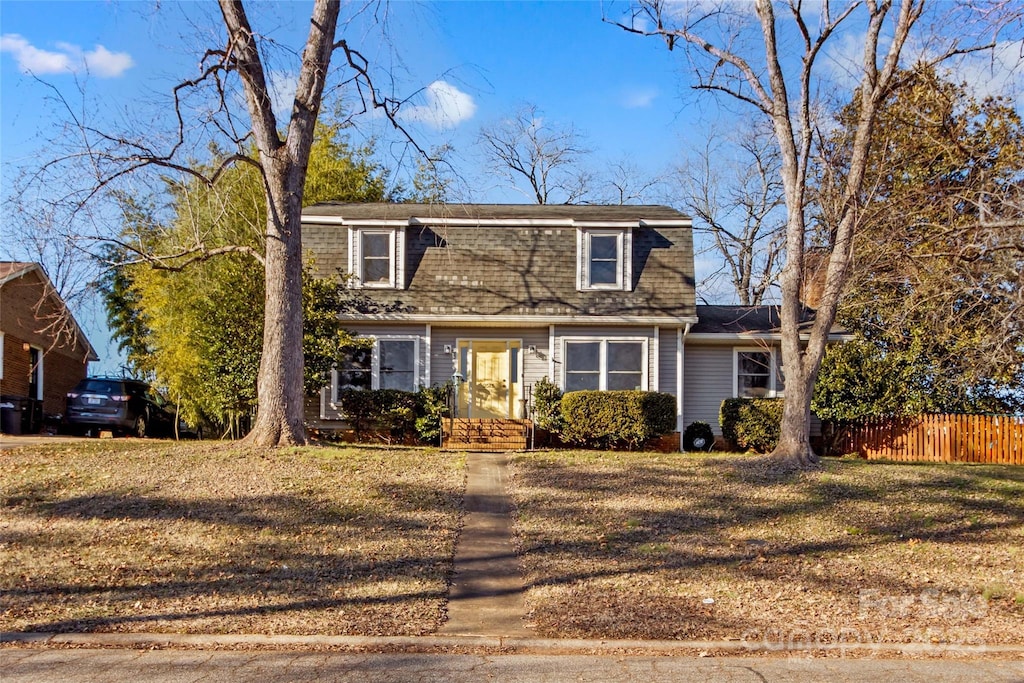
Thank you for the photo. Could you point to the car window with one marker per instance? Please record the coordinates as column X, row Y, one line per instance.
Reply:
column 101, row 386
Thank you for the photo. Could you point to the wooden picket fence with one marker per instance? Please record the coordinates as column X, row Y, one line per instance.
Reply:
column 990, row 439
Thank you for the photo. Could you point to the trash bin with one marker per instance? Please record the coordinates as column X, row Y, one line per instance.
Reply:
column 10, row 417
column 31, row 416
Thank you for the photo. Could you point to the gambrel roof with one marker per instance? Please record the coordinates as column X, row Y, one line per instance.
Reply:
column 516, row 263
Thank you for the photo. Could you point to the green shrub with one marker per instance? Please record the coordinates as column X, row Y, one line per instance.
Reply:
column 610, row 419
column 388, row 413
column 360, row 409
column 547, row 406
column 698, row 436
column 434, row 407
column 751, row 423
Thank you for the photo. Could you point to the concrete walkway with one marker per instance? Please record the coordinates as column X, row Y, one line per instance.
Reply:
column 486, row 595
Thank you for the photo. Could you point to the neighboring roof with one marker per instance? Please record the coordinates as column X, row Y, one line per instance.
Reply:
column 508, row 263
column 749, row 321
column 495, row 212
column 12, row 270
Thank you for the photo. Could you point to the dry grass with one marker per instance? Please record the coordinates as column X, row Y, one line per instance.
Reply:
column 197, row 538
column 675, row 546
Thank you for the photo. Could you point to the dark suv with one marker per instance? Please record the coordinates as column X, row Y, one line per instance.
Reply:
column 120, row 405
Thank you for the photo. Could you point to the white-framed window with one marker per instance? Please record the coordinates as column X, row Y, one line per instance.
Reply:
column 604, row 364
column 354, row 370
column 396, row 363
column 392, row 362
column 377, row 257
column 757, row 373
column 604, row 259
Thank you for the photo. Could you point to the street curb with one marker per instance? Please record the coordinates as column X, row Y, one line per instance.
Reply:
column 504, row 644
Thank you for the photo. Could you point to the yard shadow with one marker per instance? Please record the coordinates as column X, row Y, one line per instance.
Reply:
column 617, row 522
column 168, row 560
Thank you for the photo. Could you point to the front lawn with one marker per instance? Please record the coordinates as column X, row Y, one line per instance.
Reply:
column 637, row 545
column 207, row 538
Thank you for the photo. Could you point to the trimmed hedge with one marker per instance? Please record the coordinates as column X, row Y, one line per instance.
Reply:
column 609, row 419
column 751, row 423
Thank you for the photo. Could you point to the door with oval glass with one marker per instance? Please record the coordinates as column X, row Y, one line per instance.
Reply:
column 491, row 370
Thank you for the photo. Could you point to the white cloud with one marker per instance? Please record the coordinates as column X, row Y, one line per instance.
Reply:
column 107, row 64
column 68, row 59
column 32, row 59
column 282, row 85
column 999, row 72
column 639, row 98
column 843, row 59
column 446, row 107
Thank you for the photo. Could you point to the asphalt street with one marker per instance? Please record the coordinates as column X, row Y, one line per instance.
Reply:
column 180, row 666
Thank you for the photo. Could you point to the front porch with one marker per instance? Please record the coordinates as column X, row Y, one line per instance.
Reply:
column 483, row 434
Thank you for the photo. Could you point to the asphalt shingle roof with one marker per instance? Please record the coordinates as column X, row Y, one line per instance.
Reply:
column 586, row 212
column 520, row 270
column 714, row 319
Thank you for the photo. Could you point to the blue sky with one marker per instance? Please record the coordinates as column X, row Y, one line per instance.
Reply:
column 620, row 91
column 468, row 64
column 471, row 63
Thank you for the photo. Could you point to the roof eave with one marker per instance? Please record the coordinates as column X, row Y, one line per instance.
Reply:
column 760, row 336
column 494, row 222
column 478, row 320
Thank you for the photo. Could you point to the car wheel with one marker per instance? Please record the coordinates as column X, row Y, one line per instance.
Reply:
column 140, row 427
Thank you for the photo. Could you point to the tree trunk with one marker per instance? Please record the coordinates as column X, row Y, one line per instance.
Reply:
column 280, row 420
column 794, row 447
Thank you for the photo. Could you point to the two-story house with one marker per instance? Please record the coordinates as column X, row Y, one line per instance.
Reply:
column 496, row 297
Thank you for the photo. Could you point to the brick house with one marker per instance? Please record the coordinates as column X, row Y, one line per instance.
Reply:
column 497, row 297
column 43, row 351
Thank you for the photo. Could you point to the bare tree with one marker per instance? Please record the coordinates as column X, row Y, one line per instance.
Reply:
column 31, row 236
column 733, row 188
column 204, row 116
column 774, row 66
column 537, row 158
column 625, row 183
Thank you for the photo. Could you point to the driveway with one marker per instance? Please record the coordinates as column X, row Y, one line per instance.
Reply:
column 15, row 441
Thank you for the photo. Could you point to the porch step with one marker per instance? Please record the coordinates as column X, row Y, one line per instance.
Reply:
column 479, row 434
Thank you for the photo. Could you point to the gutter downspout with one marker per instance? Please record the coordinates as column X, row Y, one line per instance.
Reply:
column 681, row 335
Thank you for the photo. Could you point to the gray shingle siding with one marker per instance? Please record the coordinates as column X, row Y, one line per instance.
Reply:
column 521, row 271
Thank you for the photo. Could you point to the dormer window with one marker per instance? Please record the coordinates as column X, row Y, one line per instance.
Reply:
column 604, row 259
column 376, row 257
